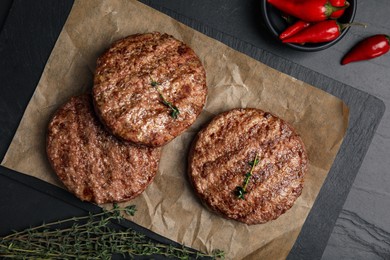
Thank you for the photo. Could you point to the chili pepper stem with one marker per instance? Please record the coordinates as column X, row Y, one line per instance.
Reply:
column 331, row 9
column 347, row 25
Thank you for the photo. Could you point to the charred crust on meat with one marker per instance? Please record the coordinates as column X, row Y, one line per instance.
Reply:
column 92, row 163
column 218, row 162
column 127, row 103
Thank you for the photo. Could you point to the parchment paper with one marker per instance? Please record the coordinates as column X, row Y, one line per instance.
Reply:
column 169, row 206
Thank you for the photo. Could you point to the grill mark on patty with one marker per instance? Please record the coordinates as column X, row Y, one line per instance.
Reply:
column 220, row 158
column 128, row 68
column 146, row 61
column 93, row 164
column 236, row 169
column 225, row 148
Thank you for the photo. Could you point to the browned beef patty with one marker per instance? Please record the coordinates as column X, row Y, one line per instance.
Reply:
column 139, row 81
column 93, row 164
column 221, row 160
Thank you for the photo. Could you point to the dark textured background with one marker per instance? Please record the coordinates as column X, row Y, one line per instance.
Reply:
column 362, row 229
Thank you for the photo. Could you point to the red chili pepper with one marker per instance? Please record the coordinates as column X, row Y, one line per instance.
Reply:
column 368, row 48
column 307, row 10
column 325, row 31
column 337, row 3
column 293, row 29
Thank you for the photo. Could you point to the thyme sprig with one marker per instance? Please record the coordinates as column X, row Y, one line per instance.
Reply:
column 240, row 191
column 89, row 237
column 174, row 110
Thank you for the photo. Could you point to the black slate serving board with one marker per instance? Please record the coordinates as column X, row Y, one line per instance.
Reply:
column 26, row 41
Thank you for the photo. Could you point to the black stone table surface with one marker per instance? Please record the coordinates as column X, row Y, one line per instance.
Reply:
column 362, row 228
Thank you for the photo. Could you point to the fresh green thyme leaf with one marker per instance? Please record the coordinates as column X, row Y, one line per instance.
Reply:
column 241, row 191
column 130, row 210
column 90, row 237
column 217, row 253
column 174, row 110
column 154, row 83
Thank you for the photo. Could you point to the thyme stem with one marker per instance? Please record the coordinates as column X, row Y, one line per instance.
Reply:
column 240, row 191
column 89, row 237
column 254, row 163
column 174, row 110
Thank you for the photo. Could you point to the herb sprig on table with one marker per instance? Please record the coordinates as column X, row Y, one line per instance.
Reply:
column 91, row 237
column 174, row 110
column 240, row 191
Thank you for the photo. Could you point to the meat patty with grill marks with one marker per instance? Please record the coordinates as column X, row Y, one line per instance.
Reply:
column 92, row 163
column 149, row 88
column 248, row 165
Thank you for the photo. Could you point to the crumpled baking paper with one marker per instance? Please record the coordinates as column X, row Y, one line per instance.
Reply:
column 169, row 206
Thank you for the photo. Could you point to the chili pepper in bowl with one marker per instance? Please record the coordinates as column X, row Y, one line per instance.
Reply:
column 368, row 48
column 337, row 3
column 307, row 10
column 325, row 31
column 293, row 29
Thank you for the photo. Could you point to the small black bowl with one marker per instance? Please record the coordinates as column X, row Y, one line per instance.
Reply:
column 277, row 24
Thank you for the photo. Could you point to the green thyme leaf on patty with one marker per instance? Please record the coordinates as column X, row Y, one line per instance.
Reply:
column 154, row 83
column 174, row 111
column 240, row 191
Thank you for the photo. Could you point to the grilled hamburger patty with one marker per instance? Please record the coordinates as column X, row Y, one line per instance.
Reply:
column 93, row 164
column 223, row 153
column 134, row 78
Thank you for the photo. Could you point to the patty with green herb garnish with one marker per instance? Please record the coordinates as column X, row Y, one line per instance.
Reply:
column 92, row 163
column 248, row 165
column 149, row 88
